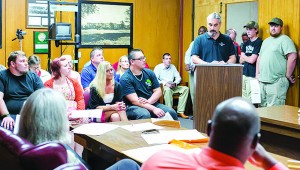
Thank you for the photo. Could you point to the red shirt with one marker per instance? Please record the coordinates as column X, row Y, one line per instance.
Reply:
column 208, row 158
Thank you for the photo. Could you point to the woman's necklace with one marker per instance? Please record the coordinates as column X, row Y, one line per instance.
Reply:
column 137, row 78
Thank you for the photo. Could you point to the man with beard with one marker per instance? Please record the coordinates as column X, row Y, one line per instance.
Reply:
column 276, row 63
column 16, row 85
column 213, row 47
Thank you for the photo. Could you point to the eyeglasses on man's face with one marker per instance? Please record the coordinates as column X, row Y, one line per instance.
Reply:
column 143, row 58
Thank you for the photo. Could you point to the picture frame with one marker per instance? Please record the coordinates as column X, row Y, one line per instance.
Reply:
column 105, row 24
column 37, row 14
column 40, row 42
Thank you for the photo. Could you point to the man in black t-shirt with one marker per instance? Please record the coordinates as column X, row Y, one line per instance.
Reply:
column 16, row 85
column 249, row 55
column 141, row 90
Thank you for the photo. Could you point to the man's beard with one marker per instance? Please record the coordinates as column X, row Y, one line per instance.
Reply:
column 275, row 35
column 212, row 33
column 21, row 72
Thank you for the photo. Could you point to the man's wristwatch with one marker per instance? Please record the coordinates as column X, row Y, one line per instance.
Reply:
column 5, row 115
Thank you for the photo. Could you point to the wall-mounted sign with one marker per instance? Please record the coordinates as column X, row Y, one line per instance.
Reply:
column 40, row 42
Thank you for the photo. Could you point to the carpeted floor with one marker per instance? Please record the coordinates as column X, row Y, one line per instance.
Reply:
column 186, row 123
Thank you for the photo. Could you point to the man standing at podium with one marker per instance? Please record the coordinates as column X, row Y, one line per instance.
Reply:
column 276, row 63
column 213, row 47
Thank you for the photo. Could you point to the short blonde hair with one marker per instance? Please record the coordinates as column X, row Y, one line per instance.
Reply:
column 44, row 117
column 99, row 81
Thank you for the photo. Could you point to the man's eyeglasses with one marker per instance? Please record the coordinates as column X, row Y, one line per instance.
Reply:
column 141, row 58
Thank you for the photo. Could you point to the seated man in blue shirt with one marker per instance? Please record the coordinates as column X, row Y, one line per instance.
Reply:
column 88, row 73
column 212, row 46
column 141, row 90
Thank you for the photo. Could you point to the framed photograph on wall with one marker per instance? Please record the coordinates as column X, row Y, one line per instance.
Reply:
column 37, row 14
column 107, row 24
column 40, row 42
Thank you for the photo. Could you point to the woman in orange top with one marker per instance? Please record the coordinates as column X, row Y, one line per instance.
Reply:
column 69, row 87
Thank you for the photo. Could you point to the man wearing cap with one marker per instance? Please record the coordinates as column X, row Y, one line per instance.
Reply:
column 213, row 47
column 249, row 55
column 276, row 63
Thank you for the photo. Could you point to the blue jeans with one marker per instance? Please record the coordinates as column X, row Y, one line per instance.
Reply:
column 124, row 164
column 136, row 112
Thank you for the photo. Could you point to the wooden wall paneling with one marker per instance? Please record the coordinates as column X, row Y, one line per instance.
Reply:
column 15, row 11
column 155, row 22
column 2, row 50
column 187, row 33
column 157, row 29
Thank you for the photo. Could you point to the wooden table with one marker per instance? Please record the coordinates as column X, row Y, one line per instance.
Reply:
column 281, row 120
column 281, row 130
column 111, row 145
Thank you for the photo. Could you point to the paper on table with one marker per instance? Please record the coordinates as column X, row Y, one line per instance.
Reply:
column 255, row 91
column 150, row 150
column 141, row 127
column 93, row 113
column 166, row 117
column 165, row 136
column 95, row 128
column 17, row 124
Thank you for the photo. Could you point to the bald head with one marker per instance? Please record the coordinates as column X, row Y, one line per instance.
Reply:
column 234, row 127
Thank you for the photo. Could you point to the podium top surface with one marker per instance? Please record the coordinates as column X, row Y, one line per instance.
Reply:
column 219, row 65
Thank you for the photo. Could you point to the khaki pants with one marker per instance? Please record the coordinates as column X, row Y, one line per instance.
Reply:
column 246, row 88
column 168, row 97
column 274, row 93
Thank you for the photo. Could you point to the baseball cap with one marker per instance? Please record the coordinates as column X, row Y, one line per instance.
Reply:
column 252, row 24
column 277, row 21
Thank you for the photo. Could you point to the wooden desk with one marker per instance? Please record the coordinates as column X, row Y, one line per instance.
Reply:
column 280, row 130
column 113, row 143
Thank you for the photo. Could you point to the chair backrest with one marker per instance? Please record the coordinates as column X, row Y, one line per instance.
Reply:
column 18, row 153
column 86, row 96
column 11, row 146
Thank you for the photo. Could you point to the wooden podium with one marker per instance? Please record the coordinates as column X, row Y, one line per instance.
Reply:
column 214, row 83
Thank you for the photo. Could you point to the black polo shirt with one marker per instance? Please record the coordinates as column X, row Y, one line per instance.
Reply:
column 210, row 50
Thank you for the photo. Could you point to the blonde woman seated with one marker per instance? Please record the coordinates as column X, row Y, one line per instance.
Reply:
column 106, row 94
column 44, row 119
column 123, row 65
column 69, row 87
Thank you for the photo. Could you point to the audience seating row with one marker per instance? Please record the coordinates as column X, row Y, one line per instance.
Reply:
column 18, row 153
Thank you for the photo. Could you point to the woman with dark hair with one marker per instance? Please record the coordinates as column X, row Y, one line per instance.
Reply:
column 69, row 87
